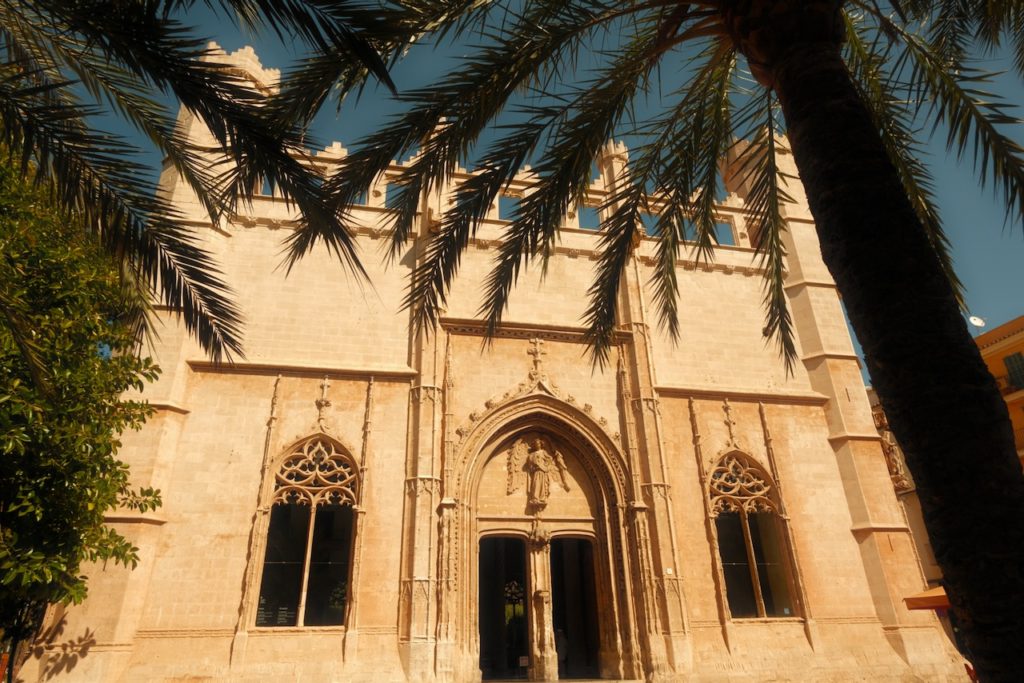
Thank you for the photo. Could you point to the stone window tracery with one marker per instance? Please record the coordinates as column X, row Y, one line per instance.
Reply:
column 754, row 558
column 316, row 473
column 306, row 566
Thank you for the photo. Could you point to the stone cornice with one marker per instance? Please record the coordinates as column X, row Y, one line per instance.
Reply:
column 512, row 330
column 810, row 398
column 397, row 374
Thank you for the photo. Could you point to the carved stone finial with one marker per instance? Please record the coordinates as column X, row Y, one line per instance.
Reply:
column 538, row 353
column 449, row 368
column 322, row 403
column 273, row 402
column 694, row 425
column 764, row 427
column 729, row 422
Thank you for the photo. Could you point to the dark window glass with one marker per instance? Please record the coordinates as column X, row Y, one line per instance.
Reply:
column 286, row 573
column 327, row 591
column 739, row 587
column 281, row 587
column 771, row 570
column 1015, row 369
column 502, row 608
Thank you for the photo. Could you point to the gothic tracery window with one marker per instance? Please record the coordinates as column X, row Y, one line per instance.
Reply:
column 309, row 538
column 751, row 543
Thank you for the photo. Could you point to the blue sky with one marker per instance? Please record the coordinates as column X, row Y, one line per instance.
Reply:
column 988, row 251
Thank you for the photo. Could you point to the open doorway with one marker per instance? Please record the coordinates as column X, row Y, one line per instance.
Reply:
column 574, row 607
column 504, row 644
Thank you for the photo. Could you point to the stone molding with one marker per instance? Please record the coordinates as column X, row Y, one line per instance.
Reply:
column 295, row 370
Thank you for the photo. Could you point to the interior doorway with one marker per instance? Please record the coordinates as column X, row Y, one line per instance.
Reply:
column 574, row 607
column 504, row 641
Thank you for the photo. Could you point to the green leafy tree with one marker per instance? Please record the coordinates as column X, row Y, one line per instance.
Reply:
column 62, row 63
column 59, row 474
column 850, row 82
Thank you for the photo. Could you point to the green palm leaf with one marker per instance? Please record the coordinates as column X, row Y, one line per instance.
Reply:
column 880, row 92
column 123, row 55
column 92, row 174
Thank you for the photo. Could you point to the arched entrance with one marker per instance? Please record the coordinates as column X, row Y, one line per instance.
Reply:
column 574, row 613
column 504, row 584
column 503, row 587
column 540, row 508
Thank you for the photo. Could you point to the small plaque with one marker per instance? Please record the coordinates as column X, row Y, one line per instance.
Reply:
column 524, row 660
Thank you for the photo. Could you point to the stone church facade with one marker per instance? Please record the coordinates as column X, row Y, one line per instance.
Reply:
column 352, row 502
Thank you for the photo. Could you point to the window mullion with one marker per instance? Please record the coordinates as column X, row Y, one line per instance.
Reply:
column 301, row 619
column 752, row 563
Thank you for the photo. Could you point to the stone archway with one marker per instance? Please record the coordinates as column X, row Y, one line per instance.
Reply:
column 537, row 468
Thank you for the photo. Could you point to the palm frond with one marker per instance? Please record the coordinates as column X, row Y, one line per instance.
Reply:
column 343, row 28
column 564, row 172
column 951, row 30
column 712, row 120
column 670, row 163
column 443, row 18
column 972, row 115
column 951, row 26
column 756, row 166
column 618, row 238
column 93, row 174
column 388, row 31
column 105, row 81
column 432, row 277
column 701, row 126
column 446, row 119
column 893, row 121
column 259, row 145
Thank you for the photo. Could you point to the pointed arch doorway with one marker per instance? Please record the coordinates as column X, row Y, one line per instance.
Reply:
column 505, row 629
column 546, row 591
column 574, row 614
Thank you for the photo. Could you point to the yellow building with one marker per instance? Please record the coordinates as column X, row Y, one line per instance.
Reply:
column 1003, row 350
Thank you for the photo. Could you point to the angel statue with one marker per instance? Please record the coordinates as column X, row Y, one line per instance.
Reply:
column 533, row 462
column 539, row 464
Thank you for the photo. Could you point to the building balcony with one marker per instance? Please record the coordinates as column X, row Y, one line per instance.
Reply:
column 1008, row 386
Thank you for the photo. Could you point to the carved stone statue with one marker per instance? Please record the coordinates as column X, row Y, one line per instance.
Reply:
column 539, row 465
column 533, row 461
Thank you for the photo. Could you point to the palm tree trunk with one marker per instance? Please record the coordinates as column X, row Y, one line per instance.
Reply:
column 941, row 402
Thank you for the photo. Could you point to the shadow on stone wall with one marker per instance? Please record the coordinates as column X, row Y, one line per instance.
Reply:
column 55, row 655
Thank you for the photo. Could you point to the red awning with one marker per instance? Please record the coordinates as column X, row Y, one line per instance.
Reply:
column 933, row 598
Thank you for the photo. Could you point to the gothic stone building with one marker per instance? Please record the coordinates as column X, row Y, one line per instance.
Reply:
column 352, row 502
